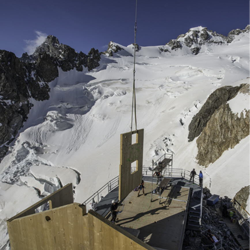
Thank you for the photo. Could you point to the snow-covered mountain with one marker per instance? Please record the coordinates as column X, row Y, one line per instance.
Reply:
column 73, row 136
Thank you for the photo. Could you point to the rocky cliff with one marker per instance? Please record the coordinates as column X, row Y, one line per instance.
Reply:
column 241, row 200
column 217, row 126
column 28, row 77
column 200, row 36
column 17, row 86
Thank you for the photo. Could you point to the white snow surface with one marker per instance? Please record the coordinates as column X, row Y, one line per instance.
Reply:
column 77, row 131
column 240, row 104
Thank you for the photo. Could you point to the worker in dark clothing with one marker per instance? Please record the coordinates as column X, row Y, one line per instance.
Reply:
column 192, row 175
column 113, row 210
column 159, row 176
column 160, row 165
column 141, row 187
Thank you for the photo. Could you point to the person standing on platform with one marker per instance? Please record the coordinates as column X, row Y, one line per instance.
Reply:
column 192, row 175
column 113, row 210
column 159, row 176
column 141, row 187
column 200, row 179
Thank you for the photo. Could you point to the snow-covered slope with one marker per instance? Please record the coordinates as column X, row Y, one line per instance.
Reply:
column 74, row 136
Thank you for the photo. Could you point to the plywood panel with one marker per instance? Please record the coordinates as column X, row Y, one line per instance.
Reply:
column 68, row 227
column 118, row 237
column 128, row 154
column 59, row 198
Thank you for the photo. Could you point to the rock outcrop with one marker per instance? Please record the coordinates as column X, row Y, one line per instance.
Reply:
column 18, row 83
column 28, row 77
column 241, row 199
column 232, row 34
column 63, row 56
column 112, row 48
column 174, row 44
column 214, row 101
column 218, row 128
column 197, row 37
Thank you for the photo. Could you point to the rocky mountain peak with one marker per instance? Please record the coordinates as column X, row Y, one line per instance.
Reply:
column 195, row 38
column 52, row 40
column 199, row 36
column 54, row 48
column 52, row 52
column 112, row 48
column 232, row 34
column 29, row 76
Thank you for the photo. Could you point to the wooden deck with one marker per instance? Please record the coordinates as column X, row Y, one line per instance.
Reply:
column 161, row 222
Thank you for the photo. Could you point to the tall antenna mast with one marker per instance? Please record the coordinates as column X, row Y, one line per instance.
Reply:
column 133, row 113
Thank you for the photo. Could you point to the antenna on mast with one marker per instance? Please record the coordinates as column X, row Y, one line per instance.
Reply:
column 133, row 113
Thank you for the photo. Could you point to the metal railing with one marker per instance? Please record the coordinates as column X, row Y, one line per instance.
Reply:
column 172, row 172
column 146, row 171
column 164, row 156
column 114, row 183
column 103, row 191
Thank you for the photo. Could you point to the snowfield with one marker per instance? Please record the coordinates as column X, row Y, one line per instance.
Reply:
column 74, row 136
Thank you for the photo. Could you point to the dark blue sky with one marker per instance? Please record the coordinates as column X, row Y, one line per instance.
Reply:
column 93, row 23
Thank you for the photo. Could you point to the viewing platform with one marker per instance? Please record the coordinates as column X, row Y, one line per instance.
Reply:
column 160, row 222
column 157, row 219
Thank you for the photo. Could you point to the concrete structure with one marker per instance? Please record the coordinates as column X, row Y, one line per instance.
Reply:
column 130, row 153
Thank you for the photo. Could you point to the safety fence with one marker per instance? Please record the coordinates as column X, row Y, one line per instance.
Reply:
column 103, row 191
column 114, row 183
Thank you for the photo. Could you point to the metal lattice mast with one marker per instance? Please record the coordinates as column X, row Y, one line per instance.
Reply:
column 133, row 112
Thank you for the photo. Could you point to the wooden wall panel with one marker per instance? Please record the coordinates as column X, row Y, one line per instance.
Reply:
column 59, row 198
column 130, row 153
column 112, row 236
column 69, row 227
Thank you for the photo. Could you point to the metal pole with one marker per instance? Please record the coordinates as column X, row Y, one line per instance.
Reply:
column 152, row 180
column 133, row 113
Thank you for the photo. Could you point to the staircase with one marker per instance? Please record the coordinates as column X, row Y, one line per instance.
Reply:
column 195, row 209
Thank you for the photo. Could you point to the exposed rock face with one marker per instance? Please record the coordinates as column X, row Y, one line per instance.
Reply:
column 163, row 50
column 21, row 79
column 63, row 56
column 241, row 199
column 93, row 59
column 233, row 33
column 46, row 67
column 174, row 44
column 214, row 101
column 195, row 38
column 16, row 87
column 223, row 129
column 112, row 48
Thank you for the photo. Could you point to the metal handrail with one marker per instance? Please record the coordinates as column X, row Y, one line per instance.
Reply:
column 172, row 172
column 146, row 171
column 163, row 157
column 108, row 185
